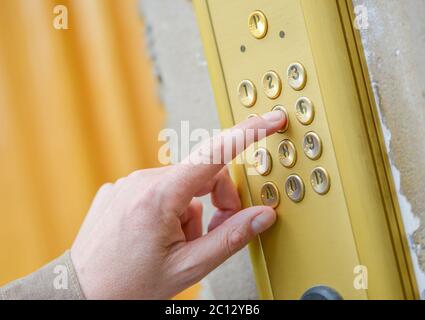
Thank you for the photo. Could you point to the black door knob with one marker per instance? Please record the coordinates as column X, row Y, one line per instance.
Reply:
column 321, row 293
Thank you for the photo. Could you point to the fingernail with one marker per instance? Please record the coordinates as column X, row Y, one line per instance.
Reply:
column 263, row 221
column 273, row 116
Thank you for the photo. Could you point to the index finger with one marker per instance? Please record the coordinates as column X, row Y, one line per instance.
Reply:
column 210, row 157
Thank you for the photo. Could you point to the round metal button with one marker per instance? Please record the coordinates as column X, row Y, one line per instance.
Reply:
column 282, row 108
column 287, row 154
column 294, row 187
column 297, row 76
column 270, row 195
column 320, row 180
column 312, row 146
column 304, row 111
column 247, row 93
column 272, row 84
column 257, row 24
column 262, row 161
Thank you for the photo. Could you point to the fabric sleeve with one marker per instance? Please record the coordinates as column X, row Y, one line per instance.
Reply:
column 55, row 281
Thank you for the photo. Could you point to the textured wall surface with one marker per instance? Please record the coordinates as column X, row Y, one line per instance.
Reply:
column 394, row 43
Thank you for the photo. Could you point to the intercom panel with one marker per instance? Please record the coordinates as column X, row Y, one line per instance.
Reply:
column 338, row 232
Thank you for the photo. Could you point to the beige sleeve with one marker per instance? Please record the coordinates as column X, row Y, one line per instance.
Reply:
column 55, row 281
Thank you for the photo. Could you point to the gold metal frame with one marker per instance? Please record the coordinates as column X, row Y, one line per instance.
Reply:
column 361, row 170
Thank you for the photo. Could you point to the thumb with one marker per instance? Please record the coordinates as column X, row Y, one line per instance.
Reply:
column 208, row 252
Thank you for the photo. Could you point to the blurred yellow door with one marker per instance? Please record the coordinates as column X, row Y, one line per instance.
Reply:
column 78, row 108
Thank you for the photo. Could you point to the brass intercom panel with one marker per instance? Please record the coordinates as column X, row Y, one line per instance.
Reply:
column 339, row 229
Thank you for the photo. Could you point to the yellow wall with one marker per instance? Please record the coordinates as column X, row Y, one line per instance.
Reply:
column 78, row 108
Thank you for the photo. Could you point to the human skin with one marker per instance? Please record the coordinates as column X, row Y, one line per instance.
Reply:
column 142, row 237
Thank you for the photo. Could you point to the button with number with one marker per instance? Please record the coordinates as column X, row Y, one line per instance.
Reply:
column 262, row 161
column 312, row 146
column 272, row 85
column 247, row 93
column 270, row 195
column 287, row 154
column 257, row 23
column 320, row 181
column 304, row 111
column 294, row 187
column 297, row 76
column 282, row 108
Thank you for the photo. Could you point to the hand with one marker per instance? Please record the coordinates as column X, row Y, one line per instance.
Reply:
column 142, row 237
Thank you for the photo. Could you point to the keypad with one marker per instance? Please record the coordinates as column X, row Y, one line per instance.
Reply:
column 311, row 145
column 275, row 84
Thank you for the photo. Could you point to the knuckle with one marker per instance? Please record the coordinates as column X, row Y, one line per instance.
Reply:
column 235, row 240
column 157, row 189
column 151, row 193
column 120, row 182
column 105, row 188
column 225, row 172
column 204, row 153
column 136, row 174
column 155, row 197
column 185, row 266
